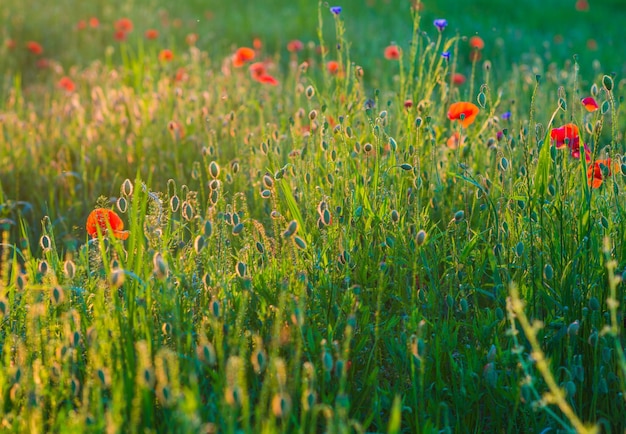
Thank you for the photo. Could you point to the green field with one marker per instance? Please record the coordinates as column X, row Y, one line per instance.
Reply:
column 205, row 229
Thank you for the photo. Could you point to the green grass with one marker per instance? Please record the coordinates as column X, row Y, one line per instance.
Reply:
column 311, row 257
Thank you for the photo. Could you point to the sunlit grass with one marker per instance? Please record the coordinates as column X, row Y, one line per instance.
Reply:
column 369, row 245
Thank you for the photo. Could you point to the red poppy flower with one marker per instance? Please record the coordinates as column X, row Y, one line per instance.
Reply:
column 477, row 43
column 332, row 66
column 392, row 52
column 408, row 103
column 295, row 46
column 242, row 56
column 267, row 79
column 597, row 172
column 67, row 84
column 181, row 75
column 590, row 104
column 257, row 69
column 10, row 44
column 166, row 55
column 464, row 112
column 119, row 36
column 123, row 25
column 34, row 47
column 458, row 79
column 257, row 44
column 592, row 44
column 151, row 34
column 455, row 140
column 81, row 25
column 94, row 22
column 567, row 133
column 582, row 5
column 104, row 219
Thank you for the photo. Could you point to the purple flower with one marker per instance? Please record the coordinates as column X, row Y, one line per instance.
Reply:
column 506, row 115
column 335, row 10
column 446, row 55
column 440, row 23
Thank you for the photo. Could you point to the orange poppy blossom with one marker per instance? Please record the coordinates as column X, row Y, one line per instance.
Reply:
column 257, row 69
column 458, row 78
column 477, row 43
column 123, row 25
column 590, row 104
column 119, row 36
column 67, row 84
column 267, row 79
column 242, row 56
column 102, row 219
column 181, row 74
column 597, row 172
column 151, row 34
column 582, row 5
column 259, row 73
column 464, row 112
column 94, row 22
column 332, row 66
column 455, row 141
column 34, row 47
column 166, row 55
column 295, row 46
column 392, row 52
column 592, row 44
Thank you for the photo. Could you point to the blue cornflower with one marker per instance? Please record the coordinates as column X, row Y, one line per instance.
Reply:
column 446, row 55
column 506, row 115
column 440, row 23
column 335, row 10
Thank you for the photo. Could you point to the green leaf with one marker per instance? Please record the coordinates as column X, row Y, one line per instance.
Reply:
column 395, row 419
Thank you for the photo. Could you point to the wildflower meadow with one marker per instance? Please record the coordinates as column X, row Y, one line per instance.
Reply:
column 374, row 216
